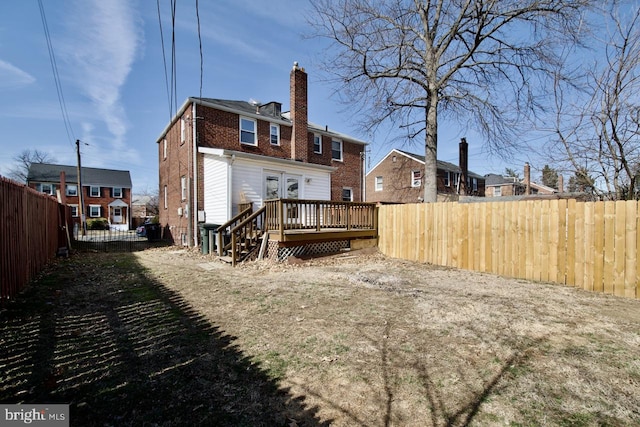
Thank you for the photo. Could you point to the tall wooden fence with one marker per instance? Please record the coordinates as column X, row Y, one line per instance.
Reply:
column 31, row 231
column 589, row 245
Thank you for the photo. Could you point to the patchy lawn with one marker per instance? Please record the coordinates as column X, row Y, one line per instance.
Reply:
column 167, row 337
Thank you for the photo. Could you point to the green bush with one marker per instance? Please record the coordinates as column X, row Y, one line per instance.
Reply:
column 97, row 224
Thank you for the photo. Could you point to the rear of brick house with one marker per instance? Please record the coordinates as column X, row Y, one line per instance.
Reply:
column 217, row 154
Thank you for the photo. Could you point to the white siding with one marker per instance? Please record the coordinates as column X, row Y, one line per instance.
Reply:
column 215, row 189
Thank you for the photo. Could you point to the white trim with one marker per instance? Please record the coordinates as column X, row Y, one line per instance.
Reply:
column 94, row 206
column 227, row 153
column 317, row 135
column 341, row 159
column 277, row 128
column 375, row 183
column 255, row 130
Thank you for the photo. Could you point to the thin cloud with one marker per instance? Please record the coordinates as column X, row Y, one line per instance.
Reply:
column 12, row 77
column 104, row 42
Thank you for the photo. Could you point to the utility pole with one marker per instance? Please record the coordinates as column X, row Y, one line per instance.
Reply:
column 80, row 197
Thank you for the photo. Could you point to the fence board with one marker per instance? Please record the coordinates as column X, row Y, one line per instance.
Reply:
column 619, row 243
column 591, row 245
column 630, row 249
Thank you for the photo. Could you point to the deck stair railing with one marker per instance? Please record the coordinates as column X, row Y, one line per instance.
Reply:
column 247, row 235
column 224, row 244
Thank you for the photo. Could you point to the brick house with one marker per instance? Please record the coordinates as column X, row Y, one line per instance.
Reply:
column 106, row 192
column 397, row 178
column 217, row 154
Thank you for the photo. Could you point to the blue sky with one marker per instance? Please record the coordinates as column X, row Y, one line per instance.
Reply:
column 109, row 59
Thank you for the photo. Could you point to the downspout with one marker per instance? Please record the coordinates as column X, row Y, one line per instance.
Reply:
column 195, row 175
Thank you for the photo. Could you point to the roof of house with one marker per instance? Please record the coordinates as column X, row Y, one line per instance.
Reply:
column 258, row 111
column 495, row 179
column 46, row 172
column 440, row 164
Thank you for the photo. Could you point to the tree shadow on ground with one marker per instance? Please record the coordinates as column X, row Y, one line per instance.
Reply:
column 98, row 333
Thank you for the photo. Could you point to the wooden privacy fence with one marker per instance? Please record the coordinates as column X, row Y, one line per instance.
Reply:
column 32, row 228
column 589, row 245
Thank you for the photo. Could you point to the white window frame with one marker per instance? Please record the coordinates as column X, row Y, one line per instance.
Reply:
column 113, row 192
column 164, row 148
column 497, row 191
column 317, row 143
column 91, row 192
column 68, row 191
column 378, row 183
column 276, row 127
column 254, row 131
column 350, row 194
column 47, row 189
column 166, row 198
column 74, row 211
column 183, row 130
column 91, row 213
column 183, row 187
column 416, row 181
column 333, row 150
column 447, row 179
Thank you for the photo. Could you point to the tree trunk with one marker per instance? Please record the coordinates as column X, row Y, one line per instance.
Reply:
column 430, row 180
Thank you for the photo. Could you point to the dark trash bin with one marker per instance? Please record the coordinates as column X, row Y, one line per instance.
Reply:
column 208, row 230
column 152, row 231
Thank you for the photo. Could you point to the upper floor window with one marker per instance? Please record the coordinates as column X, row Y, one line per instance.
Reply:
column 336, row 150
column 164, row 148
column 274, row 134
column 183, row 187
column 248, row 131
column 378, row 183
column 166, row 198
column 317, row 143
column 183, row 130
column 47, row 188
column 94, row 191
column 416, row 178
column 72, row 190
column 347, row 194
column 117, row 192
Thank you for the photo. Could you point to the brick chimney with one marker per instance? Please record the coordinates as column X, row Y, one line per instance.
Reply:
column 560, row 183
column 463, row 162
column 527, row 179
column 299, row 117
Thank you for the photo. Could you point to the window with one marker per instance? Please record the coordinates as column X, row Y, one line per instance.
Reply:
column 166, row 203
column 71, row 190
column 347, row 195
column 475, row 184
column 47, row 188
column 497, row 191
column 274, row 134
column 74, row 210
column 183, row 130
column 336, row 150
column 447, row 179
column 317, row 143
column 183, row 187
column 378, row 183
column 416, row 178
column 117, row 192
column 94, row 191
column 94, row 211
column 248, row 131
column 164, row 148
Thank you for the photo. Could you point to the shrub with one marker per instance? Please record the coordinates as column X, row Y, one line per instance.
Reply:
column 97, row 224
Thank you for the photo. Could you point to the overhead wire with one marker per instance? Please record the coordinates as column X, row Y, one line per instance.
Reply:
column 200, row 44
column 56, row 76
column 164, row 59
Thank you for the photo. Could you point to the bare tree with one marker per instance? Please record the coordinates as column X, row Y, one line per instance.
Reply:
column 413, row 62
column 598, row 121
column 23, row 162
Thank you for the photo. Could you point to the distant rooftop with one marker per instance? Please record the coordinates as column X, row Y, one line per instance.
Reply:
column 47, row 172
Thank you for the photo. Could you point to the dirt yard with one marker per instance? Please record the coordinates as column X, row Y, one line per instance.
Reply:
column 354, row 339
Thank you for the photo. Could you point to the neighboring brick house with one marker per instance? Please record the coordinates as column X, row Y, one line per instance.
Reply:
column 106, row 192
column 217, row 154
column 502, row 186
column 397, row 178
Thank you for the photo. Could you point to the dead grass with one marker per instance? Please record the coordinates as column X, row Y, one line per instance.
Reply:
column 355, row 340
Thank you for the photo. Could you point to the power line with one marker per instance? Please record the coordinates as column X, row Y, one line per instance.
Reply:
column 200, row 43
column 164, row 58
column 56, row 75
